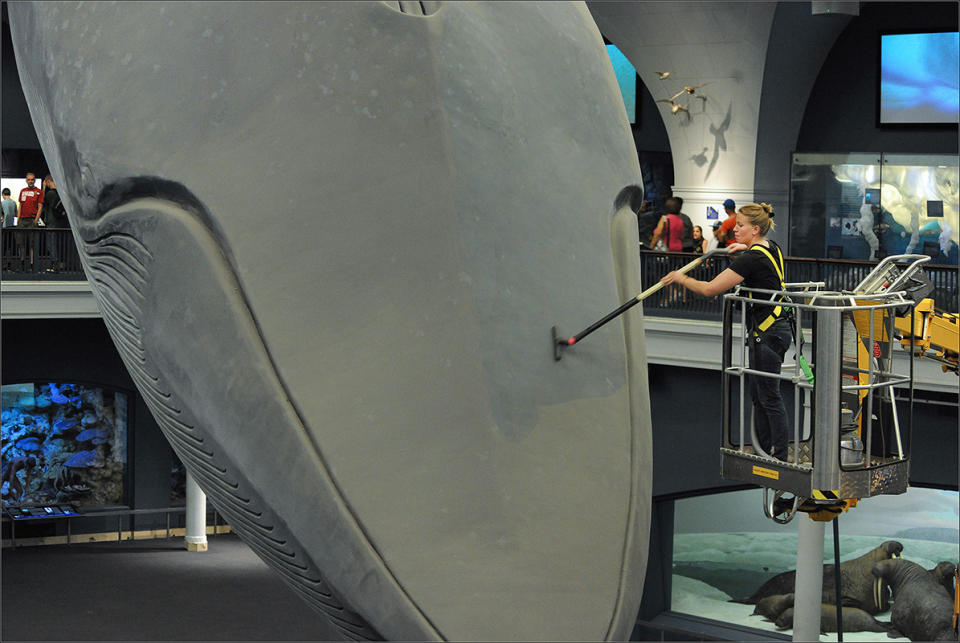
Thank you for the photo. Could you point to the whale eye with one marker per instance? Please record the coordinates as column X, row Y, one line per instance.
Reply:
column 423, row 8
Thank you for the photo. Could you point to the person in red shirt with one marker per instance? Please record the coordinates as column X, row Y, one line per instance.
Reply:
column 31, row 203
column 726, row 228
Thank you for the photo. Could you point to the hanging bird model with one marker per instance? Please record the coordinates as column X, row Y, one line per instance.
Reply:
column 674, row 107
column 688, row 90
column 692, row 90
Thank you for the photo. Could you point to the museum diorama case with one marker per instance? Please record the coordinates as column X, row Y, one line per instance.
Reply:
column 866, row 206
column 63, row 444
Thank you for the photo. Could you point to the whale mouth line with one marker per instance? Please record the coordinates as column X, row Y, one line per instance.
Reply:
column 125, row 190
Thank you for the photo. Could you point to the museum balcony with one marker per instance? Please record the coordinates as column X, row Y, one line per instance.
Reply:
column 42, row 276
column 682, row 329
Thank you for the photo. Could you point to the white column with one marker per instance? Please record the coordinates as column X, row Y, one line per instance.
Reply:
column 809, row 587
column 196, row 538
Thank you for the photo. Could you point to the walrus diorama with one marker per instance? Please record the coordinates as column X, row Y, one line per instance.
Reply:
column 357, row 371
column 854, row 620
column 922, row 607
column 779, row 607
column 859, row 588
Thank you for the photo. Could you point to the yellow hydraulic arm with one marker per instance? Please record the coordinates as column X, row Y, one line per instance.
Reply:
column 935, row 334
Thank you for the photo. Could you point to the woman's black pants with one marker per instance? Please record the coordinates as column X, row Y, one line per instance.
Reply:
column 769, row 412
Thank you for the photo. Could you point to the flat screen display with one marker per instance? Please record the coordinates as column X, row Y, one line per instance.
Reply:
column 920, row 78
column 62, row 443
column 627, row 79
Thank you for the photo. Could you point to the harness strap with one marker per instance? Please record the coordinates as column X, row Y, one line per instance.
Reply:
column 777, row 263
column 778, row 267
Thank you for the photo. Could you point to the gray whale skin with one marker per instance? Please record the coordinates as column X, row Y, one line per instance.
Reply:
column 329, row 241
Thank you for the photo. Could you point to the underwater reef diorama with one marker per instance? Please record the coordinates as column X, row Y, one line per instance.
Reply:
column 62, row 443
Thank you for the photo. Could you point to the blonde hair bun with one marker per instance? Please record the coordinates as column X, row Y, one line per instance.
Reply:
column 760, row 215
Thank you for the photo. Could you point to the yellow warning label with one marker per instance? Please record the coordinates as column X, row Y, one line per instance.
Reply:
column 826, row 494
column 766, row 473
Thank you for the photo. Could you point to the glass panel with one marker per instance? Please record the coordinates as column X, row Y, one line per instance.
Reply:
column 919, row 201
column 868, row 206
column 713, row 566
column 63, row 443
column 826, row 195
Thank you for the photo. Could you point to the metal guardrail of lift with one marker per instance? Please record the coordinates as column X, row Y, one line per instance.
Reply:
column 40, row 254
column 837, row 274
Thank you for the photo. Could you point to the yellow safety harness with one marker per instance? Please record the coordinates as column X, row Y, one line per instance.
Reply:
column 778, row 267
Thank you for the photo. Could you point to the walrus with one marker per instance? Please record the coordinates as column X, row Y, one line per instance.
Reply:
column 854, row 620
column 772, row 606
column 943, row 574
column 858, row 586
column 922, row 608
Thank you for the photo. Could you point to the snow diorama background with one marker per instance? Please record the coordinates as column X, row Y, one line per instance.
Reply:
column 711, row 565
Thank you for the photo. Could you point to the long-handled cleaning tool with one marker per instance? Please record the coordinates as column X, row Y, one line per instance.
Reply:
column 559, row 343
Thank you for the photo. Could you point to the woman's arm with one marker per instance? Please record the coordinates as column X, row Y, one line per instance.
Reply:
column 658, row 232
column 721, row 283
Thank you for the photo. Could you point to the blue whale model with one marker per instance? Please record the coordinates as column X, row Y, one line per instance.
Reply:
column 330, row 241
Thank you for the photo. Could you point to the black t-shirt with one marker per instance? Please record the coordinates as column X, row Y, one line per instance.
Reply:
column 687, row 237
column 758, row 272
column 52, row 208
column 53, row 213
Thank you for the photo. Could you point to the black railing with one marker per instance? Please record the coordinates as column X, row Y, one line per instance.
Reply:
column 44, row 254
column 837, row 274
column 120, row 514
column 40, row 254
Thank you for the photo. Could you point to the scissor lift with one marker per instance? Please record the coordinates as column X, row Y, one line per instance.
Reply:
column 843, row 383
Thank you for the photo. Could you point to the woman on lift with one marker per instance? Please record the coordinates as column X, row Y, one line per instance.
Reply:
column 761, row 266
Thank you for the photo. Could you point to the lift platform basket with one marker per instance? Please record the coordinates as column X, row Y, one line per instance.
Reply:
column 850, row 438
